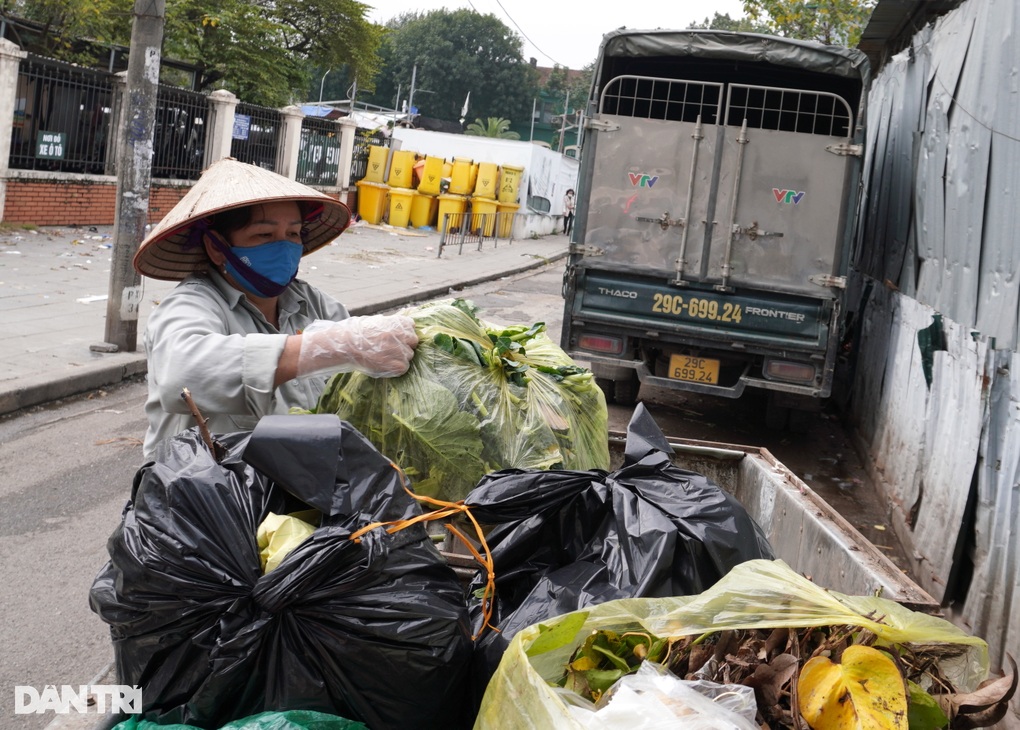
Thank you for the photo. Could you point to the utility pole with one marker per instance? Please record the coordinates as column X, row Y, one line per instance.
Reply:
column 410, row 97
column 563, row 121
column 134, row 175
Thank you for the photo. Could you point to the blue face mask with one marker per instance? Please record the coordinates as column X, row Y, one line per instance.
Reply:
column 264, row 270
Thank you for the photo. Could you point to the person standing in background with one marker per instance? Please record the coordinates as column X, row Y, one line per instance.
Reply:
column 568, row 212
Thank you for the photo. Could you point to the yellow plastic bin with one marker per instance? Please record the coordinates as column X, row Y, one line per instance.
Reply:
column 506, row 214
column 371, row 201
column 488, row 176
column 378, row 156
column 509, row 183
column 460, row 176
column 400, row 206
column 483, row 215
column 401, row 169
column 447, row 168
column 431, row 174
column 423, row 209
column 451, row 204
column 473, row 176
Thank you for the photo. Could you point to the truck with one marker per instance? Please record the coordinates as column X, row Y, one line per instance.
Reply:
column 716, row 206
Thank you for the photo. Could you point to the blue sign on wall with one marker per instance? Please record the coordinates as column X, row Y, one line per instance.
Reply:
column 241, row 124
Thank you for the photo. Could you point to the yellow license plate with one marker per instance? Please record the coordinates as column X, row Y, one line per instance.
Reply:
column 694, row 369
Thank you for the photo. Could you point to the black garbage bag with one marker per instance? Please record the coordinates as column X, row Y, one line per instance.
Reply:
column 564, row 540
column 375, row 631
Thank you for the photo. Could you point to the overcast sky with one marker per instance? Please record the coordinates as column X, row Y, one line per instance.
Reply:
column 565, row 33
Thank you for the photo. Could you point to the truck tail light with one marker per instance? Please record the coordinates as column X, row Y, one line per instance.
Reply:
column 601, row 343
column 791, row 372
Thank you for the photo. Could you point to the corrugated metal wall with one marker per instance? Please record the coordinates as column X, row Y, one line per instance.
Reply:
column 940, row 416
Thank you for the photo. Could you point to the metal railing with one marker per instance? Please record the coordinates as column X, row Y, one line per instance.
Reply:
column 62, row 119
column 256, row 135
column 179, row 130
column 673, row 100
column 788, row 110
column 763, row 107
column 319, row 153
column 475, row 229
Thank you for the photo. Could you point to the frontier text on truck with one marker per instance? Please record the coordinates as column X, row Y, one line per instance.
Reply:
column 718, row 185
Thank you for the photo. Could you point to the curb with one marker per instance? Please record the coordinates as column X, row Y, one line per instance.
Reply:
column 47, row 390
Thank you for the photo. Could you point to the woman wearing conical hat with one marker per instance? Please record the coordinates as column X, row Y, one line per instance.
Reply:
column 233, row 331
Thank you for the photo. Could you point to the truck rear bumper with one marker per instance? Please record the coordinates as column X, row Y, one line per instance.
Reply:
column 604, row 365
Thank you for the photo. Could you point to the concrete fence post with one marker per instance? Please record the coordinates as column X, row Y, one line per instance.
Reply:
column 10, row 59
column 290, row 141
column 222, row 105
column 113, row 138
column 348, row 132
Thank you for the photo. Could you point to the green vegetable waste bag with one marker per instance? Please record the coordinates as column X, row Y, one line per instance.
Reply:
column 288, row 720
column 755, row 594
column 477, row 398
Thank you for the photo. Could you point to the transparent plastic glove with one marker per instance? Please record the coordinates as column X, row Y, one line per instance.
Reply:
column 378, row 345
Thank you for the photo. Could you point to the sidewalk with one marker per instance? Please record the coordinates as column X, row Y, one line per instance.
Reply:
column 54, row 284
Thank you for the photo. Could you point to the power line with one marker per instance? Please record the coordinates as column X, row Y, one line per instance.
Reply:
column 525, row 35
column 507, row 14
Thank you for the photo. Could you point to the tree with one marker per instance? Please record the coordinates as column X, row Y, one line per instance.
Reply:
column 723, row 21
column 262, row 50
column 65, row 24
column 836, row 22
column 492, row 127
column 450, row 53
column 265, row 51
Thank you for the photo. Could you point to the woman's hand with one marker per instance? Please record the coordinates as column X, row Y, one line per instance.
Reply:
column 378, row 345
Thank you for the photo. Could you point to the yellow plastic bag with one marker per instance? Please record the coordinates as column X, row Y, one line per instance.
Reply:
column 756, row 594
column 279, row 534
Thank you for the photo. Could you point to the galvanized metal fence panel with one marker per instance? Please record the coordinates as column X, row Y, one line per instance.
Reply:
column 62, row 119
column 179, row 131
column 319, row 153
column 948, row 454
column 256, row 135
column 995, row 587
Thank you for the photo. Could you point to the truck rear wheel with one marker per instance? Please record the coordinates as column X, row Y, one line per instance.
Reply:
column 623, row 391
column 627, row 390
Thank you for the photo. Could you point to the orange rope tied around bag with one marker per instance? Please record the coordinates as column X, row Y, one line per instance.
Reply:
column 446, row 509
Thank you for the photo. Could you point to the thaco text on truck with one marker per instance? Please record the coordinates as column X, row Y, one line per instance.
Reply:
column 718, row 186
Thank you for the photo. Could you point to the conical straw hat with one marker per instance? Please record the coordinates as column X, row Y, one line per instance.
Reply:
column 171, row 252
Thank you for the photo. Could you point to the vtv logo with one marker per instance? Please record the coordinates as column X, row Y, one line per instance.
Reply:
column 641, row 180
column 788, row 196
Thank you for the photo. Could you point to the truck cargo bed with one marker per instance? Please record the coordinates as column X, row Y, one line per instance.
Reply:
column 804, row 530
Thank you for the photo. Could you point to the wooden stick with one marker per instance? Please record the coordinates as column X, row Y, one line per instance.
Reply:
column 215, row 448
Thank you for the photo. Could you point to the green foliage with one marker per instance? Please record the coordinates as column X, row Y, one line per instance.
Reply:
column 262, row 50
column 492, row 127
column 66, row 24
column 835, row 22
column 456, row 52
column 723, row 21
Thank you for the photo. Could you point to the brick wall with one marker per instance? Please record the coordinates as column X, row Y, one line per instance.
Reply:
column 81, row 202
column 76, row 202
